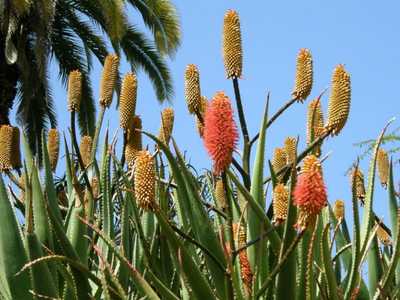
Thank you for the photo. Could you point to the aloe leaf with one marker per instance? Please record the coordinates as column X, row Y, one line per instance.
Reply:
column 393, row 207
column 375, row 269
column 368, row 215
column 273, row 236
column 288, row 274
column 394, row 262
column 76, row 232
column 68, row 172
column 327, row 264
column 354, row 275
column 201, row 224
column 257, row 193
column 42, row 279
column 12, row 251
column 49, row 181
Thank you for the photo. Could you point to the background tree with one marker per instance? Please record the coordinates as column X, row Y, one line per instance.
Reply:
column 73, row 32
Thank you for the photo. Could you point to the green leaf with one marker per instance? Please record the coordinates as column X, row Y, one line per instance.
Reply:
column 327, row 264
column 12, row 252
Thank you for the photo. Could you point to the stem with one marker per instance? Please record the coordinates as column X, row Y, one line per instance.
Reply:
column 123, row 148
column 279, row 266
column 97, row 131
column 242, row 119
column 230, row 293
column 274, row 117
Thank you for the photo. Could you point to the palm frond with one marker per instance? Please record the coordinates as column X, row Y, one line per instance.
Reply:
column 161, row 17
column 140, row 51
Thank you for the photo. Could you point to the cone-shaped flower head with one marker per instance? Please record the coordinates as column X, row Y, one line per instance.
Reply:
column 53, row 147
column 145, row 180
column 134, row 141
column 74, row 90
column 310, row 192
column 338, row 209
column 279, row 161
column 304, row 75
column 192, row 89
column 10, row 157
column 220, row 132
column 290, row 149
column 86, row 149
column 280, row 203
column 108, row 79
column 339, row 100
column 232, row 45
column 245, row 269
column 127, row 100
column 383, row 236
column 358, row 177
column 315, row 124
column 220, row 195
column 167, row 124
column 200, row 122
column 383, row 166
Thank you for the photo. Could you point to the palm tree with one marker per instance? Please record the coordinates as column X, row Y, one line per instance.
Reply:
column 73, row 32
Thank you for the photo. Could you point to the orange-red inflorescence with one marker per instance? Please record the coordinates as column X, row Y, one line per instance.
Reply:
column 220, row 131
column 309, row 194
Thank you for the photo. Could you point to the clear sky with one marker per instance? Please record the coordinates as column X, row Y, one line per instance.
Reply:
column 363, row 35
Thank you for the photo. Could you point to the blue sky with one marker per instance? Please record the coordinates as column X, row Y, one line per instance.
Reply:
column 363, row 35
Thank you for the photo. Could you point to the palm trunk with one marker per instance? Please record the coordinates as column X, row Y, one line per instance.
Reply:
column 9, row 75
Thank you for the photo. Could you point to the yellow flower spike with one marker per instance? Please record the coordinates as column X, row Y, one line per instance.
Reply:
column 383, row 166
column 53, row 147
column 304, row 75
column 359, row 182
column 279, row 161
column 383, row 236
column 220, row 195
column 74, row 90
column 10, row 157
column 192, row 89
column 339, row 100
column 280, row 203
column 108, row 79
column 338, row 209
column 127, row 100
column 315, row 124
column 85, row 149
column 290, row 149
column 134, row 141
column 167, row 125
column 200, row 122
column 232, row 45
column 145, row 180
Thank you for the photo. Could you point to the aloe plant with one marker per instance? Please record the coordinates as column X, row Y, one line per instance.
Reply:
column 154, row 228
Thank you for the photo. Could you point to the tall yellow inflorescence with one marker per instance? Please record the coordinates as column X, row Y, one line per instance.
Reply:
column 145, row 181
column 338, row 209
column 192, row 89
column 10, row 156
column 85, row 149
column 133, row 141
column 383, row 166
column 290, row 149
column 358, row 177
column 279, row 161
column 315, row 124
column 108, row 79
column 304, row 75
column 74, row 90
column 167, row 125
column 339, row 100
column 53, row 147
column 280, row 203
column 200, row 118
column 232, row 45
column 220, row 195
column 127, row 100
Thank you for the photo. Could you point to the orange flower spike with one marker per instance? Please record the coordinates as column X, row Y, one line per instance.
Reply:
column 309, row 194
column 220, row 132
